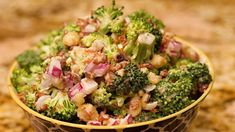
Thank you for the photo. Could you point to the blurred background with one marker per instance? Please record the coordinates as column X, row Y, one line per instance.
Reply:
column 209, row 24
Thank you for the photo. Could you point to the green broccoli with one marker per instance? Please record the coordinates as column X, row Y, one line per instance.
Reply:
column 142, row 49
column 100, row 97
column 60, row 107
column 107, row 16
column 52, row 44
column 71, row 27
column 132, row 81
column 23, row 81
column 30, row 99
column 173, row 96
column 137, row 27
column 198, row 72
column 144, row 15
column 110, row 49
column 177, row 90
column 146, row 116
column 117, row 26
column 143, row 35
column 122, row 111
column 28, row 59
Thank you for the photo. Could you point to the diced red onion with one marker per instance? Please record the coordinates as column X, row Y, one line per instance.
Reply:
column 90, row 67
column 55, row 68
column 94, row 123
column 89, row 85
column 127, row 120
column 101, row 69
column 40, row 103
column 174, row 48
column 98, row 70
column 113, row 122
column 75, row 89
column 68, row 80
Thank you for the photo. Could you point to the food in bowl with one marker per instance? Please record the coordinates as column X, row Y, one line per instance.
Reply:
column 110, row 69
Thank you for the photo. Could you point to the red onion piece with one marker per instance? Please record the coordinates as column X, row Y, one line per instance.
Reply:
column 94, row 123
column 127, row 120
column 98, row 70
column 75, row 89
column 101, row 69
column 55, row 68
column 174, row 48
column 113, row 122
column 40, row 103
column 68, row 80
column 90, row 67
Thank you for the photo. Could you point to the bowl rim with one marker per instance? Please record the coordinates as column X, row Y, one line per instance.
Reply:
column 201, row 54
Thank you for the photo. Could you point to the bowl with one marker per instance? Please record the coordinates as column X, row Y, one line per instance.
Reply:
column 177, row 122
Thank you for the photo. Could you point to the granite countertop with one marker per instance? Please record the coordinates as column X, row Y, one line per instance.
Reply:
column 210, row 25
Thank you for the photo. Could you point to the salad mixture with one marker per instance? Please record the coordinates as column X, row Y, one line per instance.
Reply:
column 110, row 69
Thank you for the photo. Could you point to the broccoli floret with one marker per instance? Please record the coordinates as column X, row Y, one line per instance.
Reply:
column 142, row 49
column 177, row 90
column 146, row 116
column 100, row 97
column 120, row 111
column 143, row 35
column 106, row 16
column 28, row 59
column 144, row 15
column 173, row 96
column 52, row 44
column 30, row 99
column 183, row 62
column 198, row 72
column 110, row 49
column 117, row 26
column 137, row 27
column 71, row 27
column 132, row 81
column 60, row 107
column 23, row 81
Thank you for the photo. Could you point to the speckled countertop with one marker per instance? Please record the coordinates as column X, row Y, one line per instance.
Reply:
column 210, row 25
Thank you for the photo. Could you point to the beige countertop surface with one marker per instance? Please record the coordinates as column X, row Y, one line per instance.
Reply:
column 210, row 25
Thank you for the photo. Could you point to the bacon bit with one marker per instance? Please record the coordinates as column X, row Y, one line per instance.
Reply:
column 21, row 96
column 164, row 73
column 202, row 87
column 148, row 65
column 115, row 67
column 120, row 39
column 82, row 23
column 124, row 63
column 39, row 94
column 109, row 78
column 103, row 117
column 99, row 58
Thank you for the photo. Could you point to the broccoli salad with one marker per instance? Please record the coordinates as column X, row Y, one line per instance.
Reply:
column 110, row 69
